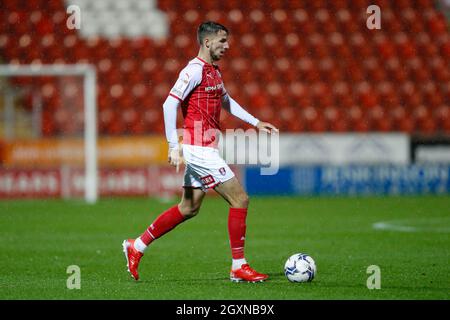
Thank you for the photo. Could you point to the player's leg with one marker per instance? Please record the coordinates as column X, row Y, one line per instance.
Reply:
column 191, row 201
column 233, row 192
column 207, row 169
column 188, row 207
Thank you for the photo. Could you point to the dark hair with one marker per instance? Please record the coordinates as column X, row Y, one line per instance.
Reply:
column 207, row 28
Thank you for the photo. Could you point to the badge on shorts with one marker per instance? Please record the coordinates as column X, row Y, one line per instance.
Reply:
column 222, row 171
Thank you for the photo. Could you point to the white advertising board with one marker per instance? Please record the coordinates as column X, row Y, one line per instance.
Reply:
column 341, row 149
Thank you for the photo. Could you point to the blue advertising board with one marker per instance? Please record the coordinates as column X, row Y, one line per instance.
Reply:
column 350, row 180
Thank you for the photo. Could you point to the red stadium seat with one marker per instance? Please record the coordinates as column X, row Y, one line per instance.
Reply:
column 437, row 25
column 295, row 125
column 382, row 125
column 427, row 126
column 385, row 47
column 445, row 50
column 339, row 125
column 406, row 125
column 402, row 4
column 318, row 125
column 361, row 126
column 312, row 62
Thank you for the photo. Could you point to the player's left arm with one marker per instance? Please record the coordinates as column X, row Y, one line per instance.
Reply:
column 236, row 110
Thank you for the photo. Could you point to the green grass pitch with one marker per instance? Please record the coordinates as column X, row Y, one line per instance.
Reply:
column 39, row 239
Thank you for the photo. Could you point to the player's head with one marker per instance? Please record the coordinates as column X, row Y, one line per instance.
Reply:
column 213, row 37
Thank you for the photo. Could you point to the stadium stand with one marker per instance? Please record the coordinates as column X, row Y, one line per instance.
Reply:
column 308, row 66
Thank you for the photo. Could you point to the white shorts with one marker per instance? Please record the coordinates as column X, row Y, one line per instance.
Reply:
column 204, row 167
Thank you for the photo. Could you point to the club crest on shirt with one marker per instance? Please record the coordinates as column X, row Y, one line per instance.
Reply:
column 222, row 171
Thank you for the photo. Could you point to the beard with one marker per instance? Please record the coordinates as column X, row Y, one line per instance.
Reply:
column 214, row 56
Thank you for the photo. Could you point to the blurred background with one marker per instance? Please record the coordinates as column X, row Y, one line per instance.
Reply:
column 361, row 111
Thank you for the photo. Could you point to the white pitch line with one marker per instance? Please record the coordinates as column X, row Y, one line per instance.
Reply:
column 402, row 226
column 388, row 226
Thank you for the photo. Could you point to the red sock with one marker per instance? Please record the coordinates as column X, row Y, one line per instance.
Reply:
column 236, row 231
column 165, row 222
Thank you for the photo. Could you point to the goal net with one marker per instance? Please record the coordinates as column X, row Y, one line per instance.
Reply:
column 49, row 130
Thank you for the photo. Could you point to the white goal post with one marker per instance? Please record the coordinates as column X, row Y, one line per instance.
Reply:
column 89, row 75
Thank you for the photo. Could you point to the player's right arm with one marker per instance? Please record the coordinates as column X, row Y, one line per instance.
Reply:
column 170, row 121
column 189, row 78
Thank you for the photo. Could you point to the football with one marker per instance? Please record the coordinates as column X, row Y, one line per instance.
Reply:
column 300, row 267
